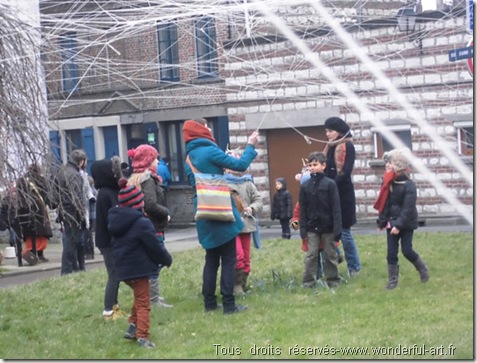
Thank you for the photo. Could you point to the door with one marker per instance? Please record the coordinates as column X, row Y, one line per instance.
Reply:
column 286, row 148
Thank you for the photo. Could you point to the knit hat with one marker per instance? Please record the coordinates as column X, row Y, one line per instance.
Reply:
column 142, row 156
column 337, row 124
column 130, row 195
column 398, row 158
column 195, row 130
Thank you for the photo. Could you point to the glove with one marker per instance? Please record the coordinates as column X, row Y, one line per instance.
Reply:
column 337, row 237
column 295, row 225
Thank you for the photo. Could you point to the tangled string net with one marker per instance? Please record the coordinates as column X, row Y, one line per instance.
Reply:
column 99, row 25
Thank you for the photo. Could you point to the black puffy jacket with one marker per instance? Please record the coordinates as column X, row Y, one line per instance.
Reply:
column 320, row 210
column 400, row 208
column 282, row 204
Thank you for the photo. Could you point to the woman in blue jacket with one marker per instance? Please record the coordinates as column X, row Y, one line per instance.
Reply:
column 216, row 237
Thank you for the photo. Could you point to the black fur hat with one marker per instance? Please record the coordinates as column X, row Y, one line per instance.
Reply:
column 337, row 124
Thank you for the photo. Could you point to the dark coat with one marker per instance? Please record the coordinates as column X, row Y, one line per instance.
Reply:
column 69, row 195
column 155, row 201
column 209, row 158
column 33, row 198
column 107, row 185
column 344, row 183
column 400, row 208
column 282, row 204
column 137, row 251
column 320, row 210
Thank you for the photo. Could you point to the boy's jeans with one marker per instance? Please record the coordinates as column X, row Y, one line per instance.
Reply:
column 350, row 250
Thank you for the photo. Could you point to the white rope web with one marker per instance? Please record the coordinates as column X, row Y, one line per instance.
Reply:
column 101, row 57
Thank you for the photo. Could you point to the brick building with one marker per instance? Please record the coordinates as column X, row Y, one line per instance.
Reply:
column 114, row 84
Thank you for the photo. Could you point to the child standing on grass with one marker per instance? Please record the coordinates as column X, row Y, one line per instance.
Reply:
column 136, row 252
column 396, row 204
column 320, row 221
column 282, row 207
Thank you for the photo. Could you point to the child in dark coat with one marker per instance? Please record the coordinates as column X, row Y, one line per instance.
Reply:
column 282, row 207
column 136, row 253
column 396, row 204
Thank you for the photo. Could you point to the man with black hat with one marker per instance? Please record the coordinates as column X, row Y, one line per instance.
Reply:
column 340, row 154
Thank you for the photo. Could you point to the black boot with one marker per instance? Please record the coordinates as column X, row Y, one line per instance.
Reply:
column 42, row 257
column 393, row 273
column 244, row 282
column 422, row 269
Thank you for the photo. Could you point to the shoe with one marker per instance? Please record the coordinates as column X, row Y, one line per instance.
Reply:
column 161, row 303
column 216, row 307
column 146, row 343
column 31, row 258
column 89, row 256
column 130, row 332
column 340, row 259
column 118, row 312
column 352, row 273
column 237, row 309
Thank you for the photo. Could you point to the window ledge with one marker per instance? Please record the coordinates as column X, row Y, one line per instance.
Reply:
column 377, row 163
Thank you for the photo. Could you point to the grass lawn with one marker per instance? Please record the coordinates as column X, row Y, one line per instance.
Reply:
column 60, row 318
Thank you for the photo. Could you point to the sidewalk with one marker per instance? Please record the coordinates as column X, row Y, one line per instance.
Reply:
column 176, row 240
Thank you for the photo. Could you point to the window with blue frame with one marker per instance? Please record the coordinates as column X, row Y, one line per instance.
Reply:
column 175, row 146
column 206, row 48
column 168, row 48
column 69, row 67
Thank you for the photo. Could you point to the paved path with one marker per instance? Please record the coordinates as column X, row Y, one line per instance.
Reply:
column 176, row 240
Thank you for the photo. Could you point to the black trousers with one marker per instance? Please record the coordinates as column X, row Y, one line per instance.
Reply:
column 406, row 246
column 225, row 255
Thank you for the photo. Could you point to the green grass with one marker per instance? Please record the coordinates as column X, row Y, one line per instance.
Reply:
column 60, row 318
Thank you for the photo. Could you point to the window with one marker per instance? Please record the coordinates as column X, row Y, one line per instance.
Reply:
column 465, row 137
column 69, row 66
column 175, row 146
column 206, row 47
column 381, row 144
column 168, row 48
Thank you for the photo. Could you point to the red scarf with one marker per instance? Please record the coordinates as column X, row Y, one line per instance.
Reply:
column 384, row 191
column 195, row 130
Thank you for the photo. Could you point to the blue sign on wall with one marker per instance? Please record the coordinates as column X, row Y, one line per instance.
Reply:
column 461, row 53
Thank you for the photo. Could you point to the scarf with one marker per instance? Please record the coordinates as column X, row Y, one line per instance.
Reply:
column 384, row 191
column 195, row 130
column 339, row 152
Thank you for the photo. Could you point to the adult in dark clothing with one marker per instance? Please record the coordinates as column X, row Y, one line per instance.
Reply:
column 340, row 156
column 69, row 196
column 33, row 217
column 396, row 204
column 216, row 237
column 282, row 207
column 136, row 252
column 106, row 174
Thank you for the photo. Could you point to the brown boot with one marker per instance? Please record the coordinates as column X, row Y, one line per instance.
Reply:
column 244, row 282
column 238, row 289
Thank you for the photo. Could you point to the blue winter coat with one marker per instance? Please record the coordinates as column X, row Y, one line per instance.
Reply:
column 208, row 158
column 137, row 251
column 164, row 172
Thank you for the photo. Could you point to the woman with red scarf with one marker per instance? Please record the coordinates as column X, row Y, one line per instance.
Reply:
column 144, row 164
column 396, row 204
column 216, row 237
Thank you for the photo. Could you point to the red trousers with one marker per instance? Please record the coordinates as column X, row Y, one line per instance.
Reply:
column 243, row 252
column 141, row 306
column 40, row 242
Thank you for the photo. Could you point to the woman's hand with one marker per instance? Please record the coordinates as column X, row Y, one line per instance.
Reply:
column 253, row 139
